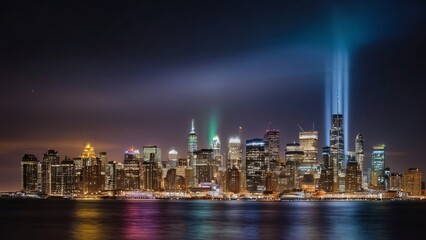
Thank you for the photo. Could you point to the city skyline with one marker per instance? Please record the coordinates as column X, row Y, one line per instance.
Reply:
column 141, row 81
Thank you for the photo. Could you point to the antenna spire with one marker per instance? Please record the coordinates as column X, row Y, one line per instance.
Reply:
column 192, row 126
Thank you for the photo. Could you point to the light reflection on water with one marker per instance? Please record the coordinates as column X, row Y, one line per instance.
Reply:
column 150, row 219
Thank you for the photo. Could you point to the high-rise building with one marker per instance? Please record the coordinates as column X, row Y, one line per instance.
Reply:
column 51, row 157
column 172, row 159
column 63, row 178
column 337, row 148
column 204, row 165
column 272, row 148
column 235, row 153
column 115, row 176
column 192, row 143
column 378, row 166
column 104, row 161
column 151, row 176
column 309, row 144
column 92, row 181
column 29, row 170
column 326, row 179
column 359, row 155
column 353, row 174
column 152, row 149
column 233, row 180
column 217, row 154
column 256, row 165
column 395, row 182
column 412, row 181
column 293, row 152
column 132, row 171
column 359, row 150
column 170, row 183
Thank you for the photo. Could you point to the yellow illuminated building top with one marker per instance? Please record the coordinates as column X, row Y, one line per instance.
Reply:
column 88, row 152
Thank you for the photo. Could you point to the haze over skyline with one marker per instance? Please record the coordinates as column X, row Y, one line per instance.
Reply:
column 122, row 75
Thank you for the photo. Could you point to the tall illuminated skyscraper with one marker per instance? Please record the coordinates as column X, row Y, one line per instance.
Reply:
column 359, row 150
column 204, row 165
column 309, row 143
column 92, row 181
column 29, row 173
column 172, row 159
column 132, row 170
column 256, row 165
column 337, row 152
column 192, row 143
column 152, row 149
column 378, row 166
column 50, row 158
column 235, row 153
column 272, row 148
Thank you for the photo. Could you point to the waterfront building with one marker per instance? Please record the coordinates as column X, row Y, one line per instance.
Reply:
column 170, row 182
column 337, row 155
column 378, row 167
column 204, row 165
column 104, row 161
column 412, row 182
column 115, row 176
column 233, row 180
column 152, row 174
column 326, row 182
column 395, row 182
column 192, row 147
column 63, row 178
column 272, row 148
column 132, row 171
column 359, row 150
column 91, row 181
column 309, row 145
column 235, row 153
column 51, row 157
column 353, row 174
column 29, row 173
column 256, row 166
column 172, row 158
column 152, row 149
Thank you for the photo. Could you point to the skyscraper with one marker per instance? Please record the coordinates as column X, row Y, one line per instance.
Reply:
column 272, row 148
column 337, row 152
column 309, row 144
column 233, row 180
column 359, row 150
column 92, row 181
column 132, row 171
column 192, row 147
column 192, row 143
column 204, row 165
column 412, row 181
column 256, row 166
column 29, row 173
column 353, row 174
column 217, row 155
column 235, row 153
column 378, row 166
column 172, row 158
column 152, row 149
column 51, row 157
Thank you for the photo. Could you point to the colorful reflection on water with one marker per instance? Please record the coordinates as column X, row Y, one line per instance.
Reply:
column 151, row 219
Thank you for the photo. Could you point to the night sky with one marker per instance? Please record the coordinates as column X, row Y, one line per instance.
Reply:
column 131, row 74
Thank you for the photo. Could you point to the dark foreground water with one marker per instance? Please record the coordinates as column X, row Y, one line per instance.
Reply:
column 115, row 219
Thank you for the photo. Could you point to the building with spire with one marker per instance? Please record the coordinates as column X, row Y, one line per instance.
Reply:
column 337, row 153
column 192, row 147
